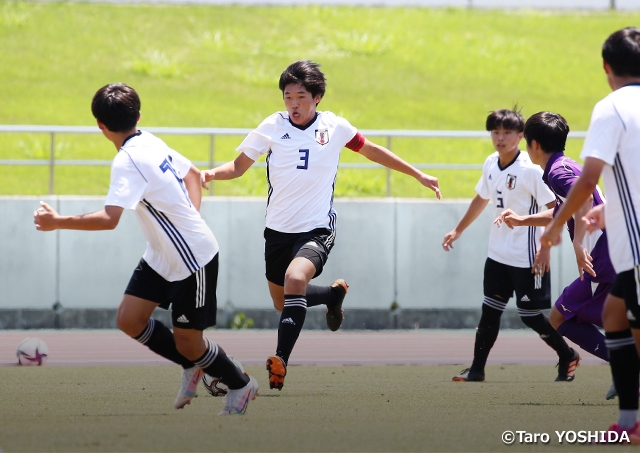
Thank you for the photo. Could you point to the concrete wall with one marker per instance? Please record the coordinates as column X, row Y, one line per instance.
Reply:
column 387, row 249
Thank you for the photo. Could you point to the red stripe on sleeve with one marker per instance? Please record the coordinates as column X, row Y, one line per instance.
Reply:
column 356, row 143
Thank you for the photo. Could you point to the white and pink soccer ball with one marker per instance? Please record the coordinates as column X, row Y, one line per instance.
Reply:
column 32, row 351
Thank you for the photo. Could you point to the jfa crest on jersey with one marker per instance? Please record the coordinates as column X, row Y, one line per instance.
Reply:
column 511, row 182
column 322, row 136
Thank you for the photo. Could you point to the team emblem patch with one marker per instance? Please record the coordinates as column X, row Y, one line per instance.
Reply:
column 322, row 136
column 511, row 182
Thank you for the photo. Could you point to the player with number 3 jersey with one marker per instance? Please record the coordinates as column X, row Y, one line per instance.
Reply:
column 303, row 148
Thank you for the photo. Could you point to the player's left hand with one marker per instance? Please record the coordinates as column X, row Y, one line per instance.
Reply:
column 509, row 218
column 541, row 264
column 584, row 260
column 431, row 182
column 45, row 217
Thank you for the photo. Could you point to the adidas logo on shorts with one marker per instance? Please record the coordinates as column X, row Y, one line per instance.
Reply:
column 525, row 299
column 182, row 318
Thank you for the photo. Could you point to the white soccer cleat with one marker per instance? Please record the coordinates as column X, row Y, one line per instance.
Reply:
column 214, row 386
column 190, row 380
column 236, row 401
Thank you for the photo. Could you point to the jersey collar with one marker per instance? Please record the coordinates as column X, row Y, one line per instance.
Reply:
column 131, row 136
column 510, row 163
column 554, row 157
column 306, row 126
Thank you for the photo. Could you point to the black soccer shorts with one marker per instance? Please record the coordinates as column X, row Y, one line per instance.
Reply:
column 626, row 287
column 281, row 248
column 501, row 280
column 192, row 300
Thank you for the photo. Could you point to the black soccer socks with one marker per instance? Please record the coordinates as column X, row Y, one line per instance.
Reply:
column 157, row 337
column 215, row 363
column 291, row 322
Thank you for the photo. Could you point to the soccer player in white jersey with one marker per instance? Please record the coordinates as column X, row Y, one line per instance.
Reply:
column 303, row 148
column 511, row 181
column 180, row 265
column 612, row 149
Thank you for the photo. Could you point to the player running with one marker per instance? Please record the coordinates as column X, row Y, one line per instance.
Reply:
column 303, row 148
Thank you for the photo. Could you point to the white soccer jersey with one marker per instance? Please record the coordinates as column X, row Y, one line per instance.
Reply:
column 302, row 165
column 146, row 176
column 614, row 137
column 518, row 187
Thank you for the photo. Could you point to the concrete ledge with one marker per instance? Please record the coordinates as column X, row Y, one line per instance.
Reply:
column 356, row 319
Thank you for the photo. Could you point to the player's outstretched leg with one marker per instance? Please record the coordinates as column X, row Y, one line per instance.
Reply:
column 190, row 380
column 237, row 401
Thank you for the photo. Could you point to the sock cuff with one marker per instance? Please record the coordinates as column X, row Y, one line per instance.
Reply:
column 618, row 335
column 496, row 304
column 147, row 332
column 523, row 312
column 209, row 355
column 295, row 301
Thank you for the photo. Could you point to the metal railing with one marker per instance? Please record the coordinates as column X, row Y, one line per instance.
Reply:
column 213, row 132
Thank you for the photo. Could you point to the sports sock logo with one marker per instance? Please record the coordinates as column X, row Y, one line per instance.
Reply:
column 287, row 321
column 182, row 319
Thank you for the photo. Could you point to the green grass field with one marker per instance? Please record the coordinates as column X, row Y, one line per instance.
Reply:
column 322, row 408
column 217, row 66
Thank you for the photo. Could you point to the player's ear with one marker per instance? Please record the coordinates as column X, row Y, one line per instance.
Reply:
column 101, row 126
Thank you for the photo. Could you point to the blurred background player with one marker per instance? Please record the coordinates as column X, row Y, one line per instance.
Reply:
column 612, row 149
column 303, row 148
column 180, row 265
column 511, row 181
column 578, row 310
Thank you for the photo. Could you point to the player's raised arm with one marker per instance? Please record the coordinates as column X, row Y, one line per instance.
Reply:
column 230, row 170
column 473, row 211
column 386, row 158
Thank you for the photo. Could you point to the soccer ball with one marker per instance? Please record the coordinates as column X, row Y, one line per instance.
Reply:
column 214, row 385
column 32, row 351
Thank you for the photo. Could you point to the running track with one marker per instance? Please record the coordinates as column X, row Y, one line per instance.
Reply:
column 252, row 347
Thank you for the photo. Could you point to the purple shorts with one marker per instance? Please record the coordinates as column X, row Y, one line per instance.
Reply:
column 581, row 301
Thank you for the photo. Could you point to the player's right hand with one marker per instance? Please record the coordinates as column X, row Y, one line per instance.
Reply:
column 449, row 238
column 205, row 177
column 45, row 217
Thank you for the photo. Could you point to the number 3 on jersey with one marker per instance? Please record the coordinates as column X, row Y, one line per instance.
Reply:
column 304, row 157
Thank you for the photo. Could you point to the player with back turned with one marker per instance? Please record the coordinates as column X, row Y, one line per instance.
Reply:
column 612, row 149
column 180, row 265
column 511, row 181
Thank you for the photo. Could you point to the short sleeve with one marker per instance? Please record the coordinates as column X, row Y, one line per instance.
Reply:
column 561, row 181
column 604, row 131
column 127, row 185
column 482, row 188
column 258, row 142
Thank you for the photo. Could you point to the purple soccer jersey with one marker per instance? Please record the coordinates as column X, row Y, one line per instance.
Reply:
column 582, row 298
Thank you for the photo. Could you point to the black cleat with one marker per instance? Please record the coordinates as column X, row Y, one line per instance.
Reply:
column 335, row 313
column 567, row 368
column 467, row 375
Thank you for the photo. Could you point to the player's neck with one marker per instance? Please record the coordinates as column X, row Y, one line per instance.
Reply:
column 118, row 138
column 619, row 82
column 507, row 157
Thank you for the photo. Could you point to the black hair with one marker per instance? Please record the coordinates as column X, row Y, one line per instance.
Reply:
column 117, row 106
column 549, row 129
column 622, row 51
column 507, row 119
column 308, row 74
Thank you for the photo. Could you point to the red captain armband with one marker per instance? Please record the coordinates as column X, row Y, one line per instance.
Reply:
column 356, row 143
